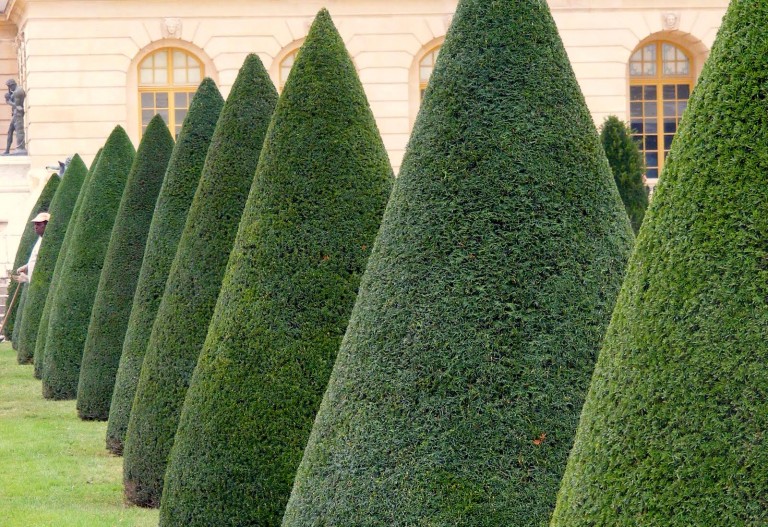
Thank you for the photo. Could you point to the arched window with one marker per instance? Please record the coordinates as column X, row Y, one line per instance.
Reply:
column 285, row 67
column 426, row 65
column 660, row 82
column 168, row 78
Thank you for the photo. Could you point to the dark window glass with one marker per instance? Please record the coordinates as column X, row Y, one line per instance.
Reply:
column 635, row 93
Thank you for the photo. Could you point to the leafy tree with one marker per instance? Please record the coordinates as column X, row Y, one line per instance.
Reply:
column 42, row 331
column 73, row 303
column 319, row 193
column 61, row 210
column 27, row 241
column 176, row 195
column 458, row 385
column 627, row 166
column 120, row 273
column 194, row 281
column 673, row 427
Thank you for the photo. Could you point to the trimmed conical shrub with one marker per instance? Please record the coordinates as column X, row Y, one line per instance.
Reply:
column 319, row 192
column 176, row 195
column 23, row 289
column 72, row 306
column 458, row 385
column 194, row 281
column 673, row 427
column 626, row 163
column 27, row 241
column 61, row 210
column 120, row 273
column 42, row 331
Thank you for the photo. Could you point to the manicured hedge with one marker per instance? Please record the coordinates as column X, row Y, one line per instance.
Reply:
column 626, row 163
column 673, row 429
column 73, row 303
column 320, row 190
column 42, row 331
column 27, row 241
column 22, row 301
column 458, row 386
column 176, row 195
column 120, row 273
column 194, row 281
column 61, row 210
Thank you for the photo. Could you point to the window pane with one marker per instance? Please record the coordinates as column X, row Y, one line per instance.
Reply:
column 179, row 76
column 651, row 126
column 180, row 99
column 650, row 109
column 145, row 76
column 651, row 159
column 635, row 93
column 637, row 126
column 180, row 114
column 668, row 141
column 669, row 108
column 669, row 53
column 635, row 69
column 670, row 126
column 669, row 91
column 651, row 142
column 160, row 59
column 683, row 91
column 649, row 52
column 164, row 115
column 179, row 59
column 637, row 56
column 652, row 173
column 161, row 76
column 161, row 100
column 193, row 75
column 147, row 100
column 636, row 109
column 146, row 116
column 649, row 69
column 682, row 68
column 650, row 93
column 681, row 107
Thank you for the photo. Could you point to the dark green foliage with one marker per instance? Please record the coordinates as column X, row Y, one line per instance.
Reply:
column 22, row 301
column 176, row 195
column 120, row 273
column 458, row 385
column 27, row 241
column 673, row 428
column 42, row 332
column 61, row 210
column 319, row 193
column 626, row 163
column 194, row 281
column 73, row 303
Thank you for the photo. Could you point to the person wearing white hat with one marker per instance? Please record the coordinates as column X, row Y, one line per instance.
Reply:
column 24, row 273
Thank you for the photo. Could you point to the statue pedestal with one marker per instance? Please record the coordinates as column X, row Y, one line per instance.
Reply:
column 15, row 194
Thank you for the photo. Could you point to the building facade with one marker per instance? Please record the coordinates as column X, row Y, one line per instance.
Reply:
column 87, row 65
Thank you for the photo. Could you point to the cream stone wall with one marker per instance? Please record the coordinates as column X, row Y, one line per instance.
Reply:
column 80, row 57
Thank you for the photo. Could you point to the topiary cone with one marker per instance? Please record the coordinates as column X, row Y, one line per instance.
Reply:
column 457, row 388
column 319, row 193
column 170, row 214
column 72, row 306
column 120, row 273
column 42, row 331
column 61, row 208
column 626, row 163
column 672, row 431
column 194, row 281
column 27, row 241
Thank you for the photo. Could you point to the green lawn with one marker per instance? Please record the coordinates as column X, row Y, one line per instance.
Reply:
column 54, row 468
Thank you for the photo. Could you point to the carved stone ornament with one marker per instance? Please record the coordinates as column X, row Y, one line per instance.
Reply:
column 671, row 21
column 171, row 27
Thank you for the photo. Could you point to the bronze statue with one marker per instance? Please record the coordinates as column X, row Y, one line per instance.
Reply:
column 15, row 98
